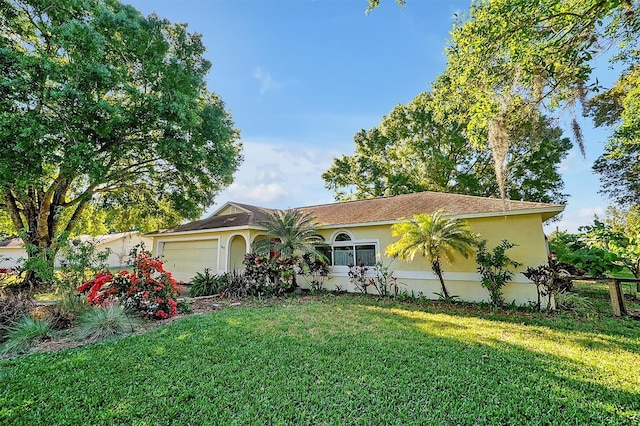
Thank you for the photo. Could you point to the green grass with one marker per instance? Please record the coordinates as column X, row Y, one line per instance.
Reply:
column 340, row 360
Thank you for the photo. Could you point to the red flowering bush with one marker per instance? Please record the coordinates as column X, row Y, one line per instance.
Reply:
column 149, row 289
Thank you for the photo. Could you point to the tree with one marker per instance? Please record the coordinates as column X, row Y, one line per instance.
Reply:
column 99, row 104
column 509, row 59
column 434, row 237
column 409, row 151
column 619, row 166
column 619, row 235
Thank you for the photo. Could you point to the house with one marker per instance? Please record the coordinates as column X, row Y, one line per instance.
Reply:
column 119, row 245
column 361, row 229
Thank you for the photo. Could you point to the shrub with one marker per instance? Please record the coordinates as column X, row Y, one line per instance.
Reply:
column 270, row 275
column 384, row 281
column 13, row 306
column 316, row 269
column 81, row 260
column 493, row 268
column 550, row 280
column 148, row 289
column 24, row 333
column 60, row 318
column 206, row 284
column 105, row 322
column 358, row 277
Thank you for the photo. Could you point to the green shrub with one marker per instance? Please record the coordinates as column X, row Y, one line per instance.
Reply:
column 493, row 268
column 24, row 333
column 207, row 284
column 105, row 322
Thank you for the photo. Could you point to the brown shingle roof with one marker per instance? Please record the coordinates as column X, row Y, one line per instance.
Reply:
column 383, row 209
column 386, row 209
column 251, row 217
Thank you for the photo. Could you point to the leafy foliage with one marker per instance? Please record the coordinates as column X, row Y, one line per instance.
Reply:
column 101, row 105
column 205, row 284
column 266, row 274
column 493, row 268
column 292, row 231
column 508, row 60
column 619, row 235
column 619, row 166
column 316, row 269
column 434, row 237
column 149, row 289
column 550, row 280
column 587, row 259
column 410, row 151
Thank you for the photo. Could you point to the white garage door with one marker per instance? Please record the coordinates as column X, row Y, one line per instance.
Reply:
column 185, row 258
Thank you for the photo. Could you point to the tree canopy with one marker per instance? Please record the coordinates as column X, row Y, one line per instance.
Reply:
column 102, row 105
column 410, row 151
column 509, row 59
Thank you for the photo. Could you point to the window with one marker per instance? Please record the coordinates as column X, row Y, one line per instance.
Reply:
column 346, row 252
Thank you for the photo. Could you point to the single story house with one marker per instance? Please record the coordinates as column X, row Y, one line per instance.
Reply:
column 361, row 229
column 119, row 245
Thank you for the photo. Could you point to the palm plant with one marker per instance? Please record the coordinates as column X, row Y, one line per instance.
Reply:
column 433, row 236
column 292, row 231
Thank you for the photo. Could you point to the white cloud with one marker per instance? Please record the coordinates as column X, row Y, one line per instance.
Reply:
column 278, row 174
column 261, row 193
column 267, row 83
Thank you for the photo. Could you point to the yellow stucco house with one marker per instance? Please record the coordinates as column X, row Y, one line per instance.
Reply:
column 361, row 230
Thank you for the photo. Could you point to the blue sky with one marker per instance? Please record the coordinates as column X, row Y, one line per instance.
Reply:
column 301, row 77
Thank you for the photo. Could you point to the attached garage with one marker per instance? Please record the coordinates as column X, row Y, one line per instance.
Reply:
column 185, row 258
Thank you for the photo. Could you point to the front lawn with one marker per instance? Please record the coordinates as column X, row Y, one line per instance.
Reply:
column 340, row 360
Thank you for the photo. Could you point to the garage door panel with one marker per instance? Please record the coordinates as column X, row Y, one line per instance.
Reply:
column 186, row 258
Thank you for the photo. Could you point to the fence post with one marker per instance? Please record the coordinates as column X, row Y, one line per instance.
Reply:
column 617, row 301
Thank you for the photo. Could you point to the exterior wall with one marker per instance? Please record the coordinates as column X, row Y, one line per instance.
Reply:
column 461, row 277
column 118, row 257
column 121, row 247
column 9, row 256
column 229, row 246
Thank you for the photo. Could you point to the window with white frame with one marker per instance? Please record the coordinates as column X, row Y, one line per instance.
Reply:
column 345, row 251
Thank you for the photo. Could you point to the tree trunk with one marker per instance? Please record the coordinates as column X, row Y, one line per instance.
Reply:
column 436, row 268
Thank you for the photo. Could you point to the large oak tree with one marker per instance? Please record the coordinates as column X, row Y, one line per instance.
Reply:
column 410, row 151
column 100, row 104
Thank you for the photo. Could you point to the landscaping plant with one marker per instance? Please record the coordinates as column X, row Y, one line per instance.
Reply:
column 24, row 333
column 106, row 322
column 317, row 269
column 434, row 237
column 148, row 289
column 13, row 306
column 550, row 280
column 267, row 274
column 493, row 268
column 206, row 284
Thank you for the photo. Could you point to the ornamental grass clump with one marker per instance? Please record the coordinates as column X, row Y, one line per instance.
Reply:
column 105, row 322
column 25, row 333
column 149, row 289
